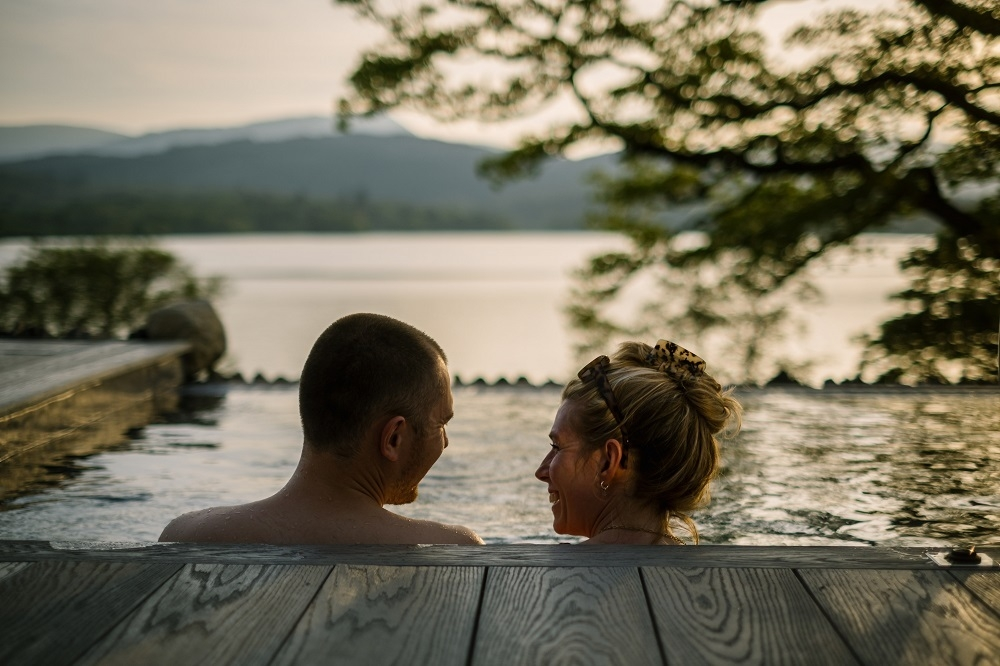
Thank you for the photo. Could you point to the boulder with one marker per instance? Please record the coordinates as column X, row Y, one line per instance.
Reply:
column 195, row 322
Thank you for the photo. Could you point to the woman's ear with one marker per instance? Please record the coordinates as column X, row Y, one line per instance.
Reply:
column 611, row 459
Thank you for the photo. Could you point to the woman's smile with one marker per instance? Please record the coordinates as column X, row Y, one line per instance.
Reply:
column 570, row 471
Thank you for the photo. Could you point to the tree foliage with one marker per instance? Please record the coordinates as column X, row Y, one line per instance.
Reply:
column 776, row 156
column 92, row 290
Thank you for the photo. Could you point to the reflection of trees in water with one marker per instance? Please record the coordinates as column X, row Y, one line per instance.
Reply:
column 873, row 467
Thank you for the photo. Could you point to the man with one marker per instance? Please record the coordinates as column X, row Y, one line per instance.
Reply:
column 374, row 397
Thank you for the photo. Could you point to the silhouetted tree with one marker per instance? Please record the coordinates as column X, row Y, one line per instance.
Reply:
column 867, row 117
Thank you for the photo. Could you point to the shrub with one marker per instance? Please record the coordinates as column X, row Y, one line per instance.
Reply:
column 92, row 289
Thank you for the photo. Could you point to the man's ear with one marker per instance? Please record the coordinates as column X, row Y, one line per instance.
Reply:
column 391, row 439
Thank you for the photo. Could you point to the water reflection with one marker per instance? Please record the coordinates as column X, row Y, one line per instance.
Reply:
column 847, row 467
column 904, row 467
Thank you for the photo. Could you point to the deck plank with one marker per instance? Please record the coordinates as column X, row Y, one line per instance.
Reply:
column 984, row 584
column 8, row 569
column 578, row 615
column 53, row 611
column 382, row 615
column 516, row 555
column 907, row 617
column 160, row 603
column 734, row 616
column 213, row 614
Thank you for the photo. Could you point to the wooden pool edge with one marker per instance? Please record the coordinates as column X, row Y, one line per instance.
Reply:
column 74, row 398
column 489, row 605
column 515, row 555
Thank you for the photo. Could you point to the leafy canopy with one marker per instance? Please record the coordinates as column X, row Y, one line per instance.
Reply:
column 866, row 117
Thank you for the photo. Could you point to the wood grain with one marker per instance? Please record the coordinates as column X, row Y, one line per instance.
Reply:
column 740, row 616
column 76, row 603
column 907, row 617
column 53, row 611
column 566, row 615
column 8, row 569
column 380, row 615
column 213, row 614
column 984, row 584
column 515, row 555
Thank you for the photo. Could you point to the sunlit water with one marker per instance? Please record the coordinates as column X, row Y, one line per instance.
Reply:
column 907, row 467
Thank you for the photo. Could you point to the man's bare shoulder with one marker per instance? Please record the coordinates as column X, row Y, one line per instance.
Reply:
column 427, row 531
column 219, row 524
column 268, row 521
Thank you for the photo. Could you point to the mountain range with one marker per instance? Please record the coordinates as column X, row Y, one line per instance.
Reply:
column 376, row 161
column 294, row 174
column 32, row 141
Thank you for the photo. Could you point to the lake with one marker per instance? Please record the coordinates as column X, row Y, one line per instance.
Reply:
column 494, row 301
column 851, row 466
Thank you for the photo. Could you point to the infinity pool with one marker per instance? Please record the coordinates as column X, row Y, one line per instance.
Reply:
column 850, row 467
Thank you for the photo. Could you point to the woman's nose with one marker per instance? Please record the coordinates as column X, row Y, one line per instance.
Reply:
column 542, row 473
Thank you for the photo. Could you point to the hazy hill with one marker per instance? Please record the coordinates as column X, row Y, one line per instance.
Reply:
column 22, row 142
column 399, row 169
column 378, row 166
column 264, row 132
column 31, row 141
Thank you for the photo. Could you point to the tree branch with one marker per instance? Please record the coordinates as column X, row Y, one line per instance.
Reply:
column 927, row 194
column 968, row 17
column 738, row 157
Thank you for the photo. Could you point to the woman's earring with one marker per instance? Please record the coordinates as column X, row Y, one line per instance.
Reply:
column 604, row 486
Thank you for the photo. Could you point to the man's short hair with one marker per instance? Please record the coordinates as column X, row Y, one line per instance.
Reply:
column 365, row 367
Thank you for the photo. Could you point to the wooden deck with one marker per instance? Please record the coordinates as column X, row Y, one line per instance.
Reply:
column 63, row 398
column 519, row 604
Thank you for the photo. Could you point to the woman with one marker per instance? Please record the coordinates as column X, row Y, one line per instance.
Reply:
column 634, row 445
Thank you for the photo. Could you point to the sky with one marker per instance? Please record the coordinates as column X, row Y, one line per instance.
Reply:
column 134, row 66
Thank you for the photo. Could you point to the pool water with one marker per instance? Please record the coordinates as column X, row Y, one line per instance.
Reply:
column 901, row 467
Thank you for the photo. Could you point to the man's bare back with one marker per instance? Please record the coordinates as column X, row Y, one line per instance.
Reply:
column 268, row 521
column 375, row 397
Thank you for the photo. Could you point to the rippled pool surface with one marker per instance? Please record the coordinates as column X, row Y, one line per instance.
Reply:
column 848, row 467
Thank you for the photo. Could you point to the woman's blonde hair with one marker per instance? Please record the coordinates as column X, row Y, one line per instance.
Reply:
column 670, row 412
